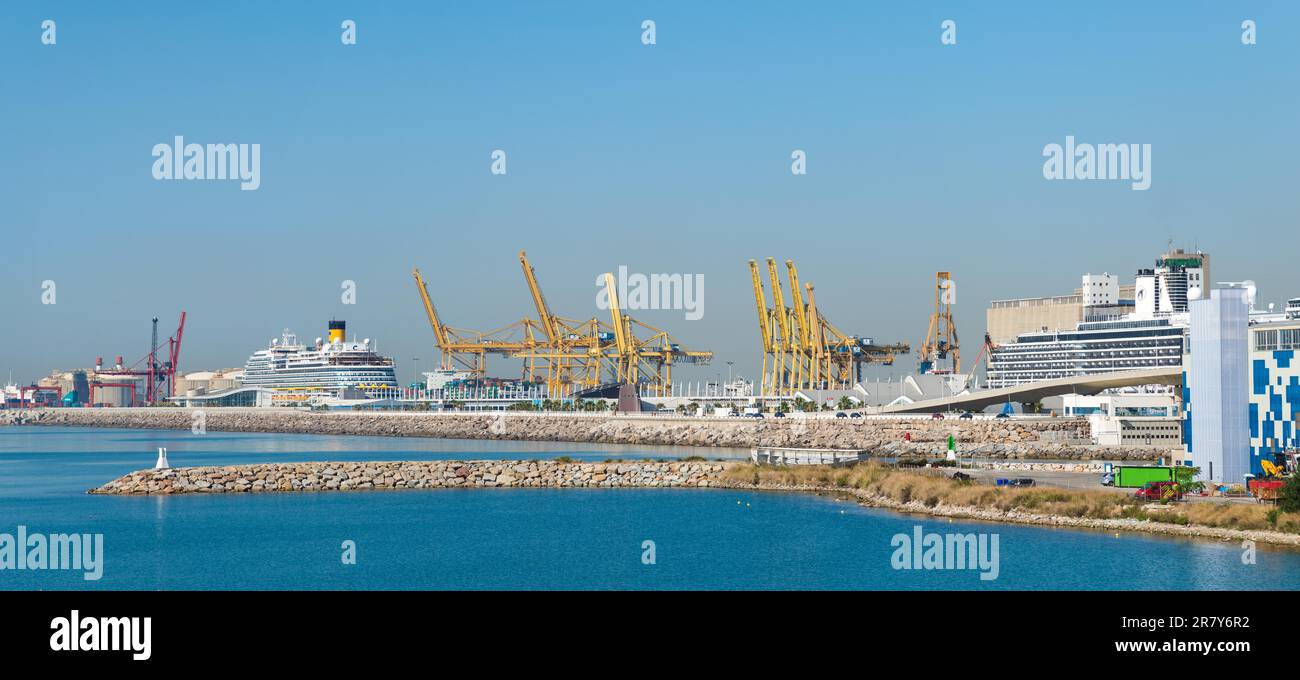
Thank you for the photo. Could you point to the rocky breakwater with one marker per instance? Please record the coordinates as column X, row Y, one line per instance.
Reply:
column 1004, row 438
column 442, row 474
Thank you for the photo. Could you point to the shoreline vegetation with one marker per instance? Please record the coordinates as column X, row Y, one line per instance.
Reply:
column 871, row 484
column 931, row 493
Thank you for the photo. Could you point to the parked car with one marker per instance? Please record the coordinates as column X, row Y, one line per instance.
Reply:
column 779, row 414
column 1002, row 415
column 855, row 415
column 961, row 476
column 1108, row 479
column 936, row 416
column 1022, row 481
column 966, row 416
column 841, row 414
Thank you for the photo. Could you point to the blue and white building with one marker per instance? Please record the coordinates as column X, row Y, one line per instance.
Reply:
column 1274, row 385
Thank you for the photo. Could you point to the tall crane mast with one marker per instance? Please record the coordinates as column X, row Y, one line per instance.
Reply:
column 941, row 337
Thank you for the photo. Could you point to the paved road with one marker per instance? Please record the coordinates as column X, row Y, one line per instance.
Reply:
column 1058, row 478
column 1076, row 480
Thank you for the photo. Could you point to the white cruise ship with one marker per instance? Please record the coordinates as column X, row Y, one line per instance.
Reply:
column 334, row 367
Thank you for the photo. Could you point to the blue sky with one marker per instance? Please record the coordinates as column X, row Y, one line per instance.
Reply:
column 666, row 158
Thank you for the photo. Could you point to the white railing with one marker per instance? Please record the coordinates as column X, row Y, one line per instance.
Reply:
column 774, row 455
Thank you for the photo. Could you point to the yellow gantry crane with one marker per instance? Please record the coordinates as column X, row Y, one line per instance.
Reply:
column 467, row 350
column 568, row 355
column 941, row 337
column 646, row 360
column 802, row 349
column 574, row 351
column 764, row 322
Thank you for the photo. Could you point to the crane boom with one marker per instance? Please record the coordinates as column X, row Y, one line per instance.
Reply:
column 548, row 321
column 764, row 322
column 782, row 315
column 800, row 312
column 439, row 331
column 625, row 359
column 780, row 375
column 174, row 354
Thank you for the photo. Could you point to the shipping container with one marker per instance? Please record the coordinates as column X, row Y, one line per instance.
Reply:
column 1134, row 476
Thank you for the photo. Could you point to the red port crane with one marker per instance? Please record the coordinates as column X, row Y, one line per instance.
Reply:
column 159, row 375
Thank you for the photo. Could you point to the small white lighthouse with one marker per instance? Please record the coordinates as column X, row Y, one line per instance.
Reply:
column 162, row 459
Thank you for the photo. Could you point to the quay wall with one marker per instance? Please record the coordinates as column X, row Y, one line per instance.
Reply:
column 884, row 436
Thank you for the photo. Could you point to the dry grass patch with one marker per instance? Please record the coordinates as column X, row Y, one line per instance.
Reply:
column 1232, row 516
column 930, row 489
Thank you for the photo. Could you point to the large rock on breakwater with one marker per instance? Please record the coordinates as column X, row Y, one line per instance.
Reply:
column 1055, row 438
column 440, row 474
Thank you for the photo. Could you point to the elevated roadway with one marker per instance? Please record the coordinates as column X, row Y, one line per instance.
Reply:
column 1033, row 392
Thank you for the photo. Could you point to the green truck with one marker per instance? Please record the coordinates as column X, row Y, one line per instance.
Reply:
column 1136, row 476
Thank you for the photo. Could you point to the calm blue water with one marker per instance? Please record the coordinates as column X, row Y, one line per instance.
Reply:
column 515, row 538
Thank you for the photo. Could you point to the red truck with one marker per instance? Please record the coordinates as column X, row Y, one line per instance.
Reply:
column 1157, row 491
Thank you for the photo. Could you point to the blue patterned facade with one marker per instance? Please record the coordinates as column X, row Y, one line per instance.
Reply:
column 1274, row 399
